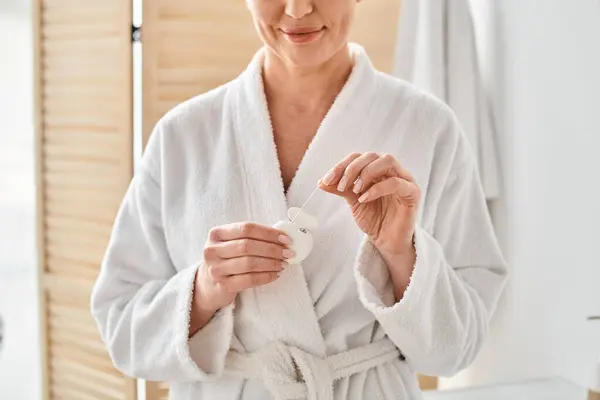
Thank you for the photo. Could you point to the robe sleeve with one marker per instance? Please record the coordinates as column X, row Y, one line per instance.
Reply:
column 142, row 304
column 440, row 323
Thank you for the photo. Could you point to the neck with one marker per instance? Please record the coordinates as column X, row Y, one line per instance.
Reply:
column 306, row 88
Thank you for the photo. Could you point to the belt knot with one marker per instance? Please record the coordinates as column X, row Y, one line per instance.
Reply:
column 292, row 373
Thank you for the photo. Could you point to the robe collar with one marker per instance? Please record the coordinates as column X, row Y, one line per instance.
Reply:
column 286, row 304
column 338, row 135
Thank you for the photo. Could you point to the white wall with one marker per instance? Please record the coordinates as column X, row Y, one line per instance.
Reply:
column 542, row 59
column 14, row 6
column 17, row 191
column 19, row 358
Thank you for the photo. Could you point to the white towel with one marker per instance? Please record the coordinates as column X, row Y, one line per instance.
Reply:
column 437, row 51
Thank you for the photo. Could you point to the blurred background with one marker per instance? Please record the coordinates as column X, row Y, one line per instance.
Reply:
column 19, row 352
column 79, row 96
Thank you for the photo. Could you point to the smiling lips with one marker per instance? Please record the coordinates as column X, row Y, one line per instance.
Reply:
column 303, row 35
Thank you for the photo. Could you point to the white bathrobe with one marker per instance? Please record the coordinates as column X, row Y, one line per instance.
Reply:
column 212, row 161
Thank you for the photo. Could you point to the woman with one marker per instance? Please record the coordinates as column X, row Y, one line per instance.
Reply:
column 405, row 270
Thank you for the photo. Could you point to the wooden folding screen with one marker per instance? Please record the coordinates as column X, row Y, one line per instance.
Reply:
column 83, row 72
column 190, row 47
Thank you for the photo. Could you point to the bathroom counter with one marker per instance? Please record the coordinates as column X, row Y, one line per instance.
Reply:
column 542, row 389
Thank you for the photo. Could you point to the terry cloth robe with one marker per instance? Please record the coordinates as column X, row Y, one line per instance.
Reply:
column 212, row 161
column 436, row 51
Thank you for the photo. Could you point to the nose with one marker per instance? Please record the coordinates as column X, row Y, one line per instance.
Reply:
column 298, row 8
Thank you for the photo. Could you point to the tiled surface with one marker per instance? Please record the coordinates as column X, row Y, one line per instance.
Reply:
column 548, row 389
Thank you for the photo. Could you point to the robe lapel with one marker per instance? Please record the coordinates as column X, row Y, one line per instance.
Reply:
column 264, row 191
column 285, row 306
column 344, row 130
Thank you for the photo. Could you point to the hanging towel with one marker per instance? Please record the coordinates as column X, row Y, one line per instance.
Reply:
column 436, row 50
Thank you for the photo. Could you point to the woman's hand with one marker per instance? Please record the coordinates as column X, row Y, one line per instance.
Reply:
column 236, row 257
column 384, row 199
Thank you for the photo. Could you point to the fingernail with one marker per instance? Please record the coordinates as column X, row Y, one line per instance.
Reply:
column 342, row 185
column 357, row 186
column 364, row 197
column 279, row 273
column 284, row 265
column 284, row 239
column 329, row 178
column 287, row 253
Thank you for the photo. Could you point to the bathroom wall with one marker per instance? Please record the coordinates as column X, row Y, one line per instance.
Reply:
column 542, row 61
column 19, row 355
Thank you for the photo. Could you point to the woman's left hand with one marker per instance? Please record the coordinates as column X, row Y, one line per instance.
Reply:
column 383, row 197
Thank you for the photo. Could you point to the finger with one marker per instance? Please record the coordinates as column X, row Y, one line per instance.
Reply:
column 237, row 283
column 251, row 247
column 348, row 194
column 385, row 166
column 354, row 169
column 244, row 265
column 408, row 192
column 334, row 175
column 346, row 173
column 248, row 230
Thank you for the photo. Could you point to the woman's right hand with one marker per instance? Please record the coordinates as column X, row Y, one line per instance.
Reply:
column 237, row 257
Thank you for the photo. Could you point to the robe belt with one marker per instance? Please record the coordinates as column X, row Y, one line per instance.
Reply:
column 291, row 373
